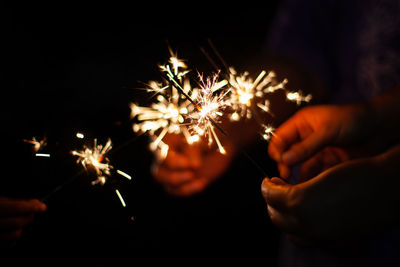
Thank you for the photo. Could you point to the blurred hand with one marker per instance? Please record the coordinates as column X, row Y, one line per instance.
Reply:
column 189, row 169
column 319, row 137
column 15, row 214
column 352, row 200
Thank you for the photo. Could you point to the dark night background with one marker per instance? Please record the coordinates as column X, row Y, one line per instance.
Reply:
column 73, row 68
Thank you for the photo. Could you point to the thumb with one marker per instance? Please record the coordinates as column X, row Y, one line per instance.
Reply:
column 305, row 149
column 275, row 192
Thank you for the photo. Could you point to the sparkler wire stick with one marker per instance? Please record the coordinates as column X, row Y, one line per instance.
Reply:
column 59, row 187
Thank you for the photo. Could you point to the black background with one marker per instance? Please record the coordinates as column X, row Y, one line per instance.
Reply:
column 70, row 68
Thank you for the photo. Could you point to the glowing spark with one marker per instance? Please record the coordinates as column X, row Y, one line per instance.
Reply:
column 42, row 155
column 127, row 176
column 268, row 132
column 209, row 104
column 265, row 106
column 172, row 69
column 298, row 97
column 120, row 198
column 80, row 135
column 209, row 108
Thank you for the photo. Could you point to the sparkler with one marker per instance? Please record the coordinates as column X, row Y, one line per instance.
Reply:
column 95, row 158
column 38, row 146
column 209, row 108
column 177, row 106
column 245, row 90
column 167, row 115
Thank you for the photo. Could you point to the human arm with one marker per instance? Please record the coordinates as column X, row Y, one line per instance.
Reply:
column 15, row 214
column 354, row 199
column 189, row 169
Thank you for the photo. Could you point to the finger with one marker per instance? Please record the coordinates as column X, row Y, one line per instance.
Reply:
column 284, row 171
column 305, row 149
column 283, row 138
column 173, row 178
column 323, row 160
column 12, row 223
column 332, row 157
column 275, row 195
column 278, row 181
column 15, row 207
column 10, row 237
column 310, row 168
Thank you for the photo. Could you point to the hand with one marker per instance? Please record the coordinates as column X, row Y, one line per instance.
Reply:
column 320, row 137
column 189, row 169
column 352, row 200
column 15, row 214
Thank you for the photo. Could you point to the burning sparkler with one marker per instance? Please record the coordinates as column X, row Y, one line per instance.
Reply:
column 166, row 115
column 209, row 109
column 179, row 108
column 95, row 158
column 38, row 146
column 244, row 91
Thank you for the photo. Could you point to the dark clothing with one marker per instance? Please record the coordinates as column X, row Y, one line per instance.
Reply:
column 352, row 46
column 353, row 49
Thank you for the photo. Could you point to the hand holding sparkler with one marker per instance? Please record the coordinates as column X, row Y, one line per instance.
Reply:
column 354, row 200
column 350, row 158
column 187, row 168
column 15, row 215
column 319, row 137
